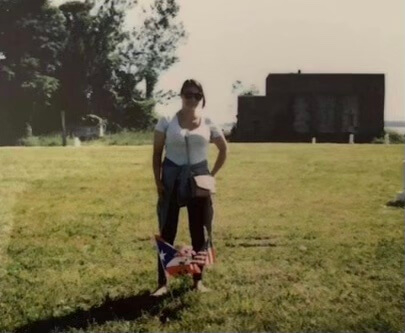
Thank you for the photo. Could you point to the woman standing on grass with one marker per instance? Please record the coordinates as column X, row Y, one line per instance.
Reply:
column 186, row 138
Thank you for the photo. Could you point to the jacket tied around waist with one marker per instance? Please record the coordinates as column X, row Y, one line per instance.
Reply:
column 176, row 181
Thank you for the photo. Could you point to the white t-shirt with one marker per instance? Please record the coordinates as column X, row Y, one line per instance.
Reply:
column 198, row 139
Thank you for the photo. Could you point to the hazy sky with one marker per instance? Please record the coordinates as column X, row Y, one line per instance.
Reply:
column 247, row 40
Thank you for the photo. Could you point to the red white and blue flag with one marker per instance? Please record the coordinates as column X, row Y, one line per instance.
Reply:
column 183, row 261
column 205, row 257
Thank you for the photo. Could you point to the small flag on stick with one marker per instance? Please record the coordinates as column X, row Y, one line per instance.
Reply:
column 210, row 253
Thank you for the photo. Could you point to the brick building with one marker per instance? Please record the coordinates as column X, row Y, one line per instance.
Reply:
column 299, row 106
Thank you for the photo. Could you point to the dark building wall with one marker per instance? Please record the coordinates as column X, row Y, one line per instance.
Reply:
column 259, row 118
column 300, row 106
column 324, row 83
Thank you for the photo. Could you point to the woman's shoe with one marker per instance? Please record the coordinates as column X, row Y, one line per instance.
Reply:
column 160, row 291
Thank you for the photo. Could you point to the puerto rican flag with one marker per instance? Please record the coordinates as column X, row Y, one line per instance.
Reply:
column 184, row 261
column 175, row 262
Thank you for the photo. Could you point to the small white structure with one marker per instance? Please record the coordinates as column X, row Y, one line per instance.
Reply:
column 400, row 199
column 76, row 142
column 387, row 138
column 91, row 127
column 401, row 195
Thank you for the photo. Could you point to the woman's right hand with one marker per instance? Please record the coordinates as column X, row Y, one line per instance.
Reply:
column 160, row 188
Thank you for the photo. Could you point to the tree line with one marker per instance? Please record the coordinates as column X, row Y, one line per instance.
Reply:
column 81, row 58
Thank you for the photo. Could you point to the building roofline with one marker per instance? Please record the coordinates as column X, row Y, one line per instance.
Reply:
column 324, row 74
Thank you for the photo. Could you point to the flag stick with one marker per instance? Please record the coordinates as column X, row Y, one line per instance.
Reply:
column 164, row 270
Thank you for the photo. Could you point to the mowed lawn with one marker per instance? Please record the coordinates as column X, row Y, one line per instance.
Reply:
column 304, row 242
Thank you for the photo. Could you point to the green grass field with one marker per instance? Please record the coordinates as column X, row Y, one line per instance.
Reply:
column 304, row 242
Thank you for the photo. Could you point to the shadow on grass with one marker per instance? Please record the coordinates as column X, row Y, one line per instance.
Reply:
column 396, row 203
column 129, row 308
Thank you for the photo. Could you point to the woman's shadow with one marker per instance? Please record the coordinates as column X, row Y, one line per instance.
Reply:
column 129, row 308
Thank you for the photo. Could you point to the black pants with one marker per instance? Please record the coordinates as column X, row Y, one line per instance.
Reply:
column 200, row 214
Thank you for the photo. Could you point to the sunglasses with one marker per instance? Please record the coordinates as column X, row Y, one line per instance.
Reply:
column 190, row 95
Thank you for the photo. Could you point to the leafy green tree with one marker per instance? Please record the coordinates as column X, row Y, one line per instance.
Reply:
column 32, row 36
column 79, row 58
column 240, row 89
column 73, row 96
column 154, row 42
column 103, row 66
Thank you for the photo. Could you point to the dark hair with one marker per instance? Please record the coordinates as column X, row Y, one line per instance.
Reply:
column 193, row 83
